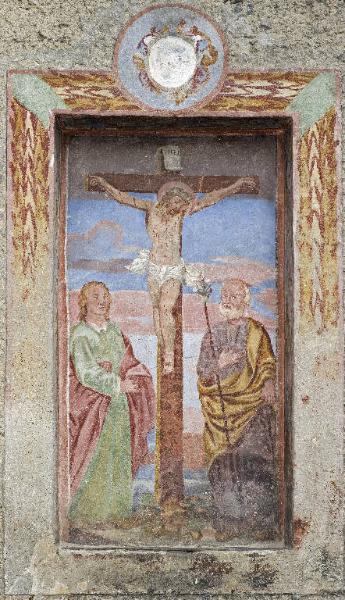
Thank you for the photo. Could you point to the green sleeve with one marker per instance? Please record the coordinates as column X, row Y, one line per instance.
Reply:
column 89, row 372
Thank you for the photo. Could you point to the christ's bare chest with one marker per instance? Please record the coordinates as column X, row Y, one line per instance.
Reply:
column 167, row 229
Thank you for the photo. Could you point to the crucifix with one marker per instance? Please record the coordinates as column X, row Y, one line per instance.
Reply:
column 167, row 272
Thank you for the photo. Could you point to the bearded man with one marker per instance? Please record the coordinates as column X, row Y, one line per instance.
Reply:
column 236, row 381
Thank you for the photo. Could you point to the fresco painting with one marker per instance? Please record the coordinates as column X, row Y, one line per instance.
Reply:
column 174, row 278
column 135, row 260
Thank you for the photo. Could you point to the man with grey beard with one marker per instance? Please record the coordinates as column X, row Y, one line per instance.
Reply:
column 236, row 381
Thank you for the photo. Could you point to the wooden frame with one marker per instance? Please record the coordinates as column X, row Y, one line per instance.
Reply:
column 284, row 153
column 313, row 321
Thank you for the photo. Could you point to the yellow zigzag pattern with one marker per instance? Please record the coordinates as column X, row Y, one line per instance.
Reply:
column 29, row 185
column 241, row 91
column 317, row 227
column 88, row 91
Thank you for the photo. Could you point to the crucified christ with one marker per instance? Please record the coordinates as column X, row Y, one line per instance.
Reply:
column 163, row 264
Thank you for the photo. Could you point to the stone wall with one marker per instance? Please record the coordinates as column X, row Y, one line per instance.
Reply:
column 261, row 34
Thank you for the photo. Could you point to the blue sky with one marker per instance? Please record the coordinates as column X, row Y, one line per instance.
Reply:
column 240, row 226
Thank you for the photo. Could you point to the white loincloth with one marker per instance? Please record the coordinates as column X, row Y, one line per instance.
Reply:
column 161, row 273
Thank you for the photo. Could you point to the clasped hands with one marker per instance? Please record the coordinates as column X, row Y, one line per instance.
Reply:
column 127, row 385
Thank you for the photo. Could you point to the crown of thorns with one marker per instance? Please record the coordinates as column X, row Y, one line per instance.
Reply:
column 177, row 191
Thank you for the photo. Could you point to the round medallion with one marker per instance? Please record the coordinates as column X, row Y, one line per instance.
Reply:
column 172, row 61
column 170, row 58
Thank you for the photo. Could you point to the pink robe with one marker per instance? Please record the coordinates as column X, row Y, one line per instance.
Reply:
column 88, row 408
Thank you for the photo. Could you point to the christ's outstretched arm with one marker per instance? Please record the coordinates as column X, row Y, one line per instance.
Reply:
column 119, row 196
column 236, row 188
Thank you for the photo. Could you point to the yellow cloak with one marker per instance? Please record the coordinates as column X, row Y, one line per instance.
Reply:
column 241, row 393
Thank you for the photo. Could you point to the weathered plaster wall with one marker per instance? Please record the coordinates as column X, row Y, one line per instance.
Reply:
column 261, row 34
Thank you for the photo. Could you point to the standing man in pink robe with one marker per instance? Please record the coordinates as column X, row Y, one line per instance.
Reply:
column 112, row 410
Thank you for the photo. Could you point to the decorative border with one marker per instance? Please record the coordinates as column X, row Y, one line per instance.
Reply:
column 317, row 228
column 35, row 98
column 28, row 145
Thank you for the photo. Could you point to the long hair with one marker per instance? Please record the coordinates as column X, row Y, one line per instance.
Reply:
column 82, row 298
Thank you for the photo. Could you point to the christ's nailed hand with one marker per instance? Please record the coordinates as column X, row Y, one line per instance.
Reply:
column 246, row 185
column 96, row 182
column 106, row 365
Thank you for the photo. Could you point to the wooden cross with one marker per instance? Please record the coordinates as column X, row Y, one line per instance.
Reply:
column 147, row 183
column 169, row 485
